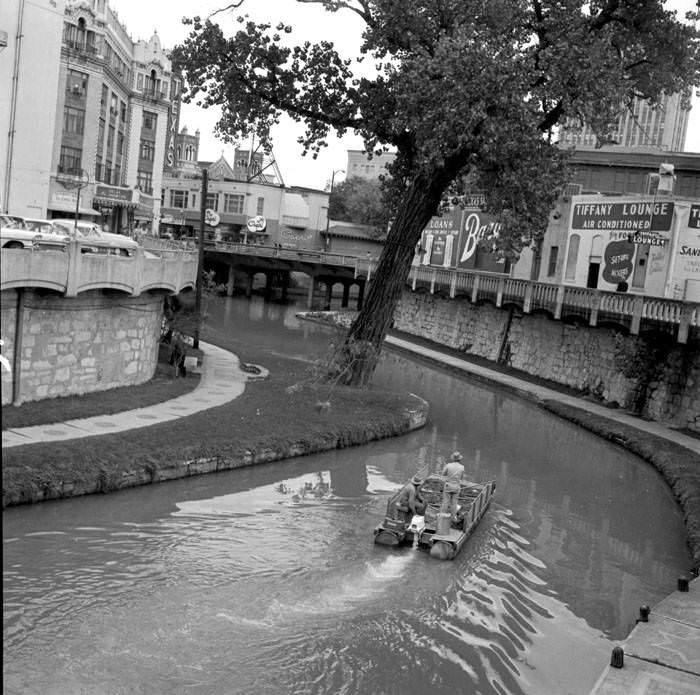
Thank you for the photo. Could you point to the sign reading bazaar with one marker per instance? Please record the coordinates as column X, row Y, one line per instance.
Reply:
column 457, row 240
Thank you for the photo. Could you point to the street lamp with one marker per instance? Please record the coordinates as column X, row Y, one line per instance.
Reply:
column 330, row 193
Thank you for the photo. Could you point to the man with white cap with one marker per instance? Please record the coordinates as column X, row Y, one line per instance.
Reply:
column 453, row 471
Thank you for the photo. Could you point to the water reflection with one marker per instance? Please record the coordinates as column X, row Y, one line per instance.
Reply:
column 266, row 580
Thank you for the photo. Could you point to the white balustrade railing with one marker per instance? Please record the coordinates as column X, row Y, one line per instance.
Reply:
column 71, row 272
column 559, row 300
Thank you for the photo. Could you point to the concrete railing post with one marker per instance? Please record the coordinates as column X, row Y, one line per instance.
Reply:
column 499, row 292
column 527, row 301
column 559, row 302
column 475, row 289
column 453, row 285
column 637, row 308
column 75, row 258
column 137, row 271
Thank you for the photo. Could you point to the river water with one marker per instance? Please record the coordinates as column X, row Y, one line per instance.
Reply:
column 266, row 580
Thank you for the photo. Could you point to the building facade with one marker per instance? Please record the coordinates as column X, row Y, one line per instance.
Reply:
column 106, row 112
column 29, row 78
column 359, row 164
column 247, row 200
column 661, row 128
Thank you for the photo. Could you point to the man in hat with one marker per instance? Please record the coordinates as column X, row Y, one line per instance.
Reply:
column 409, row 499
column 453, row 471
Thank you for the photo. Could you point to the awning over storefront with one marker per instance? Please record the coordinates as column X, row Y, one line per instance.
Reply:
column 115, row 196
column 59, row 206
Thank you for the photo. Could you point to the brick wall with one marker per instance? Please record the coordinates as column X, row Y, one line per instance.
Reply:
column 599, row 360
column 96, row 341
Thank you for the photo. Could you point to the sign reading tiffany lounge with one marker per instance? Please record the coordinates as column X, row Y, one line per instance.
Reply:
column 630, row 216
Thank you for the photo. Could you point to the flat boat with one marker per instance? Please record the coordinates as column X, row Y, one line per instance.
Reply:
column 443, row 535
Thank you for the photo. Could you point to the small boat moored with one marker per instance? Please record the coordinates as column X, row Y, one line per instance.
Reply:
column 441, row 533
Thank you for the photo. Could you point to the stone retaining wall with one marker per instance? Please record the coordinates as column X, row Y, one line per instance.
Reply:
column 93, row 342
column 649, row 369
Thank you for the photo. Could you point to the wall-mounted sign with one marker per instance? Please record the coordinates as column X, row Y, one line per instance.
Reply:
column 256, row 224
column 113, row 193
column 211, row 217
column 618, row 257
column 694, row 217
column 630, row 216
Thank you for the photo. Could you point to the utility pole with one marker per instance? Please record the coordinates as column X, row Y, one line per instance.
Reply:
column 328, row 215
column 200, row 257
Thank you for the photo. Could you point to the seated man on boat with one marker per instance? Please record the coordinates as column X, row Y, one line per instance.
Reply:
column 409, row 500
column 453, row 471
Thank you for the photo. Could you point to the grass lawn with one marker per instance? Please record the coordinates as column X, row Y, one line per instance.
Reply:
column 162, row 387
column 268, row 414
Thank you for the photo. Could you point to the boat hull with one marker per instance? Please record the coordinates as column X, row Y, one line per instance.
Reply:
column 398, row 529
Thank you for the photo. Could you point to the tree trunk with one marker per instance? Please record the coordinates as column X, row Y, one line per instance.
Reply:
column 357, row 357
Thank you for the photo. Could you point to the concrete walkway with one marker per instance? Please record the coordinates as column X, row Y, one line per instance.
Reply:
column 222, row 380
column 542, row 393
column 661, row 656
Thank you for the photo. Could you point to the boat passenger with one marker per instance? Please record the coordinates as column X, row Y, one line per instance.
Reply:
column 453, row 471
column 409, row 500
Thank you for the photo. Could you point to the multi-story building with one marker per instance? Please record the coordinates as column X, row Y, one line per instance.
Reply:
column 359, row 164
column 251, row 202
column 30, row 45
column 660, row 128
column 108, row 112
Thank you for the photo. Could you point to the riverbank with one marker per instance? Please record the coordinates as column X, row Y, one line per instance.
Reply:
column 281, row 416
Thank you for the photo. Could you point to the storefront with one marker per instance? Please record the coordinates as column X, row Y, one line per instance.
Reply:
column 64, row 203
column 116, row 205
column 685, row 262
column 620, row 244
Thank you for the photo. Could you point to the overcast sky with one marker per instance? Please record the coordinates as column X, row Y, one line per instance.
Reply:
column 310, row 22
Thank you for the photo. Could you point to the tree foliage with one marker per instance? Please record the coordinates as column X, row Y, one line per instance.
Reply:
column 360, row 200
column 461, row 89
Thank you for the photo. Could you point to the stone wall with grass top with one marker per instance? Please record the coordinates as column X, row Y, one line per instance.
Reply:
column 96, row 341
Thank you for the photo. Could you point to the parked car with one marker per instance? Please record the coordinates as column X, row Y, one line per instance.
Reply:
column 11, row 221
column 18, row 238
column 92, row 239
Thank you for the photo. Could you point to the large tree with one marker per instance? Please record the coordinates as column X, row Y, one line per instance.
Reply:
column 360, row 200
column 461, row 89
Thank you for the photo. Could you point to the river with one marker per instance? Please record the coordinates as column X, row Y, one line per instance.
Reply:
column 266, row 579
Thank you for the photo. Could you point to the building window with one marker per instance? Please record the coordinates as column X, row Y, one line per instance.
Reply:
column 572, row 257
column 212, row 201
column 117, row 176
column 233, row 203
column 110, row 139
column 98, row 168
column 147, row 150
column 552, row 268
column 77, row 83
column 178, row 199
column 120, row 143
column 261, row 206
column 149, row 120
column 122, row 108
column 70, row 160
column 73, row 120
column 139, row 82
column 103, row 99
column 144, row 180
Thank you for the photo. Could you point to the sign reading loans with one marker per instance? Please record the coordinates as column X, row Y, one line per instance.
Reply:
column 631, row 217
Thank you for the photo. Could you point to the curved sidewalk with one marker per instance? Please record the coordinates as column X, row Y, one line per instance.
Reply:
column 222, row 380
column 529, row 390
